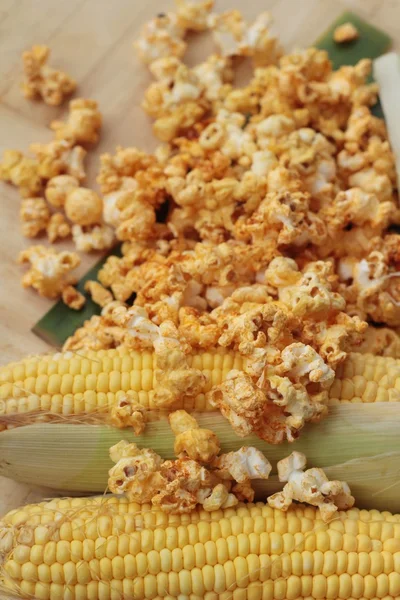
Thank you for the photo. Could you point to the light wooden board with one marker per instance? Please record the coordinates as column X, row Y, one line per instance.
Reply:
column 92, row 40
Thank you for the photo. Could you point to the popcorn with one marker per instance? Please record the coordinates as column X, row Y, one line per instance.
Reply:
column 34, row 215
column 98, row 293
column 72, row 298
column 21, row 172
column 198, row 444
column 60, row 157
column 98, row 237
column 178, row 486
column 83, row 206
column 49, row 272
column 311, row 486
column 193, row 15
column 345, row 33
column 57, row 228
column 42, row 80
column 127, row 412
column 58, row 188
column 161, row 37
column 83, row 123
column 244, row 464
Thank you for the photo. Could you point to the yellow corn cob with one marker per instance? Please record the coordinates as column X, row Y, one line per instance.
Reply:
column 110, row 549
column 91, row 382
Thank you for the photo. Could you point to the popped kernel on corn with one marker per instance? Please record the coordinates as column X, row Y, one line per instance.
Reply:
column 73, row 298
column 178, row 486
column 97, row 237
column 242, row 465
column 83, row 206
column 311, row 486
column 193, row 14
column 380, row 341
column 83, row 123
column 21, row 171
column 197, row 443
column 59, row 157
column 49, row 272
column 98, row 293
column 58, row 188
column 161, row 37
column 128, row 412
column 347, row 32
column 57, row 228
column 42, row 80
column 34, row 216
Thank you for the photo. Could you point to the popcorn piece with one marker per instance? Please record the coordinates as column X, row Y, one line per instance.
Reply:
column 99, row 237
column 127, row 412
column 118, row 171
column 83, row 123
column 304, row 365
column 311, row 486
column 136, row 474
column 235, row 37
column 345, row 33
column 49, row 272
column 72, row 298
column 57, row 228
column 58, row 188
column 380, row 341
column 98, row 293
column 42, row 80
column 198, row 444
column 58, row 157
column 83, row 206
column 219, row 498
column 193, row 14
column 161, row 37
column 34, row 215
column 244, row 464
column 21, row 172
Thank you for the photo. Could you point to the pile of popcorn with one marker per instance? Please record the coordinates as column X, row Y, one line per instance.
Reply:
column 200, row 475
column 279, row 198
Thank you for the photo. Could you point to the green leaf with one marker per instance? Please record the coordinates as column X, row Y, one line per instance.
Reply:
column 61, row 322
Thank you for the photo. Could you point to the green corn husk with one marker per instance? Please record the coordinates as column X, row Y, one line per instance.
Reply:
column 75, row 458
column 61, row 322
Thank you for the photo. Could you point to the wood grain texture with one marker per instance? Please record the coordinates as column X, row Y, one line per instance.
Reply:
column 92, row 41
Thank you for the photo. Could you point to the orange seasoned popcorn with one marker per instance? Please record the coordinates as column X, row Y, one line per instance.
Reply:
column 49, row 272
column 22, row 172
column 72, row 298
column 58, row 188
column 83, row 123
column 83, row 206
column 98, row 293
column 57, row 228
column 345, row 33
column 34, row 215
column 44, row 81
column 59, row 157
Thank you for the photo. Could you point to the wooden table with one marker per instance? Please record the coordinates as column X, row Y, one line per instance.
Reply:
column 92, row 41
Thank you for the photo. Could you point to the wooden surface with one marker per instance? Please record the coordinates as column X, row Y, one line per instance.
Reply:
column 92, row 41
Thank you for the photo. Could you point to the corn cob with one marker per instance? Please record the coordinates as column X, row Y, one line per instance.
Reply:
column 90, row 383
column 109, row 549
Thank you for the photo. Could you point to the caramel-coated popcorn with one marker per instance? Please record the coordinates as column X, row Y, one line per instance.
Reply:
column 59, row 157
column 42, row 80
column 58, row 188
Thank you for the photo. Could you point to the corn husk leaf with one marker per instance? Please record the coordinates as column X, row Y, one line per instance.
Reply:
column 75, row 458
column 61, row 322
